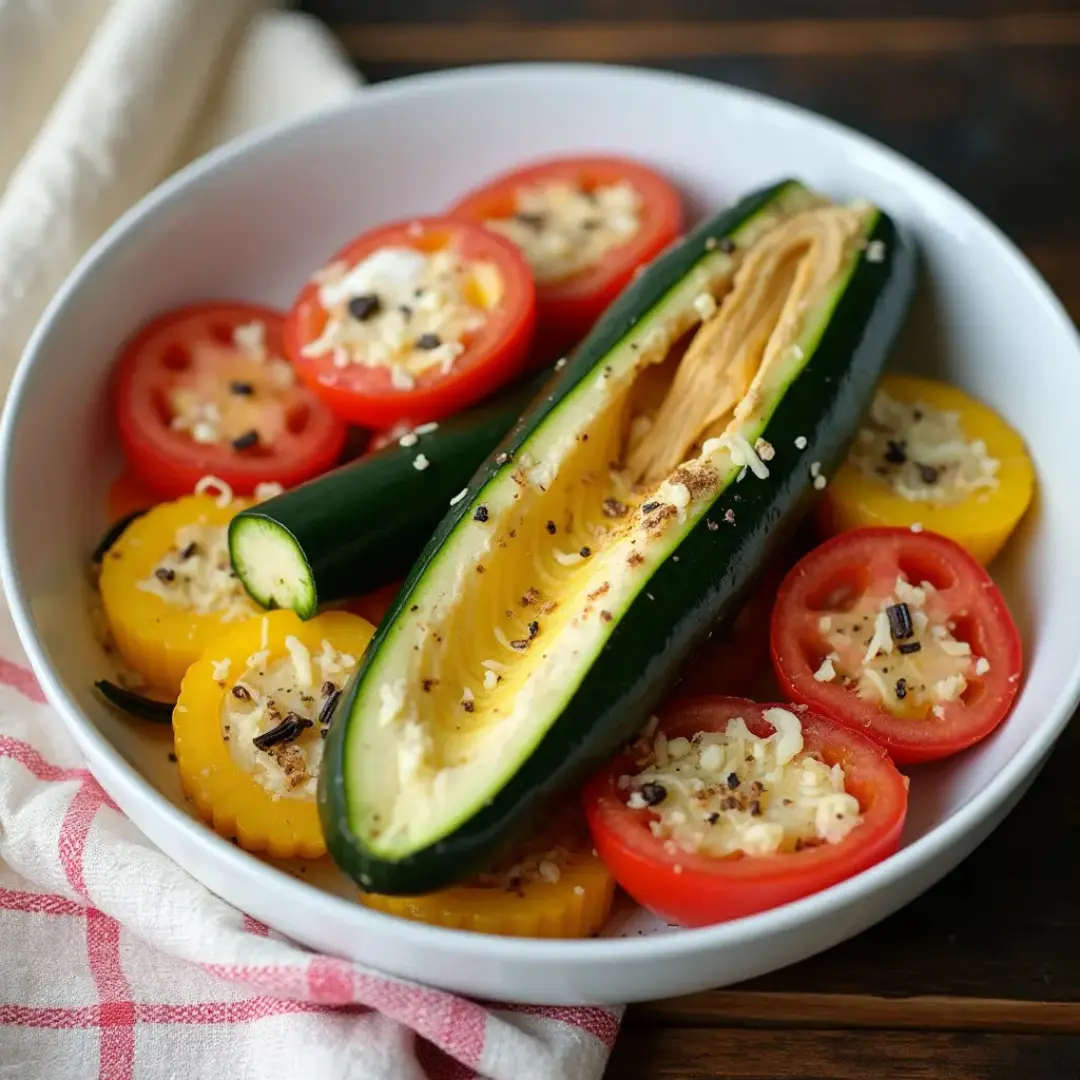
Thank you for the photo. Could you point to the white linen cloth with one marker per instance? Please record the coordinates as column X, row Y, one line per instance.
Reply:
column 114, row 964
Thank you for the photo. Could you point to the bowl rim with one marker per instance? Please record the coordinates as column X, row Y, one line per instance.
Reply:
column 107, row 761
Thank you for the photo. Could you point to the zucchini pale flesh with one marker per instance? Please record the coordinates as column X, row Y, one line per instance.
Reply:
column 362, row 526
column 625, row 515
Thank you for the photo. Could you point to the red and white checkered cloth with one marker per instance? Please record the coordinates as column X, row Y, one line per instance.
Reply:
column 116, row 965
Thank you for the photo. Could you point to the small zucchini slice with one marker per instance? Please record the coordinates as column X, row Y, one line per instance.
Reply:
column 628, row 513
column 361, row 526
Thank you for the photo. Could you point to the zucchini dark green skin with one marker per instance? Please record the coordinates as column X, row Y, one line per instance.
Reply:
column 362, row 526
column 718, row 561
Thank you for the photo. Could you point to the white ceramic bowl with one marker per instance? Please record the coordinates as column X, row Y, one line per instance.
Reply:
column 253, row 220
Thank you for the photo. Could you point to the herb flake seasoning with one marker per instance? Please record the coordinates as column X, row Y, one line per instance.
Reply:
column 900, row 622
column 653, row 794
column 362, row 308
column 287, row 731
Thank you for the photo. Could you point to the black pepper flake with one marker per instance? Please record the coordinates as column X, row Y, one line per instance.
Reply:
column 730, row 803
column 613, row 508
column 428, row 342
column 726, row 244
column 326, row 713
column 521, row 644
column 900, row 622
column 481, row 514
column 916, row 414
column 364, row 307
column 468, row 706
column 755, row 808
column 189, row 552
column 415, row 607
column 286, row 732
column 241, row 693
column 910, row 647
column 428, row 684
column 534, row 629
column 901, row 689
column 585, row 552
column 653, row 794
column 406, row 311
column 246, row 441
column 241, row 389
column 550, row 526
column 733, row 781
column 172, row 756
column 649, row 507
column 895, row 453
column 713, row 818
column 757, row 788
column 165, row 574
column 928, row 474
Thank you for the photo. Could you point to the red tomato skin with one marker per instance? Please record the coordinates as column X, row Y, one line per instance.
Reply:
column 710, row 890
column 908, row 741
column 171, row 467
column 373, row 606
column 495, row 356
column 567, row 309
column 127, row 493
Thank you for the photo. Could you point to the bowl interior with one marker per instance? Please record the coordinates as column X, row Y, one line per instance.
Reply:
column 252, row 223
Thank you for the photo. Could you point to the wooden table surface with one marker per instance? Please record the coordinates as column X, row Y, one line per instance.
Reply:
column 980, row 978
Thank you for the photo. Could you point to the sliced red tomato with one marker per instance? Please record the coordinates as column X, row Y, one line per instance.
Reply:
column 569, row 305
column 828, row 605
column 127, row 493
column 205, row 389
column 696, row 889
column 368, row 372
column 374, row 605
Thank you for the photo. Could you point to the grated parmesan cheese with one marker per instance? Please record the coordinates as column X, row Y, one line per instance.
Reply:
column 563, row 229
column 922, row 453
column 212, row 485
column 730, row 792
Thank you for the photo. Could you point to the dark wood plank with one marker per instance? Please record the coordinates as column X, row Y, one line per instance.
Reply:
column 757, row 1008
column 731, row 1054
column 486, row 41
column 418, row 11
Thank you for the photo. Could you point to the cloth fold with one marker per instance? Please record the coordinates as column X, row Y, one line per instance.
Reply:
column 116, row 964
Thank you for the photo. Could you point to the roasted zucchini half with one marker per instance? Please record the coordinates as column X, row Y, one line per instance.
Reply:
column 624, row 516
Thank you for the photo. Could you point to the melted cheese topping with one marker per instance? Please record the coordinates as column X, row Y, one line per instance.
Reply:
column 225, row 392
column 562, row 229
column 922, row 453
column 272, row 690
column 404, row 310
column 913, row 674
column 195, row 573
column 527, row 589
column 730, row 792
